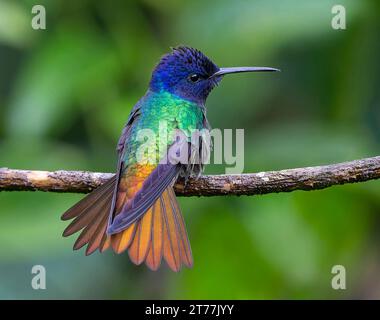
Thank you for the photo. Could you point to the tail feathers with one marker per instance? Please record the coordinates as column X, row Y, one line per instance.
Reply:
column 153, row 259
column 159, row 233
column 121, row 241
column 167, row 237
column 97, row 237
column 90, row 230
column 89, row 200
column 176, row 246
column 142, row 239
column 184, row 243
column 91, row 215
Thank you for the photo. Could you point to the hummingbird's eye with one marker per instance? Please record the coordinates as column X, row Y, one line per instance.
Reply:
column 194, row 77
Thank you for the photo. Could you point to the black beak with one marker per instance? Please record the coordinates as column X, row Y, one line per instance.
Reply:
column 223, row 71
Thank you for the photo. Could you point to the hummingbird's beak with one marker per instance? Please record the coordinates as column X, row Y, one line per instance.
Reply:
column 223, row 71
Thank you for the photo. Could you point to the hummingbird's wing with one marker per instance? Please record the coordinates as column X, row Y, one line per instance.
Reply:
column 146, row 217
column 129, row 209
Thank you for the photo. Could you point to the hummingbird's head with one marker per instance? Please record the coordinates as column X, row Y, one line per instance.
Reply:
column 189, row 74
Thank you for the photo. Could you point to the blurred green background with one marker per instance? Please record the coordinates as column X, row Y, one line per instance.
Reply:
column 66, row 92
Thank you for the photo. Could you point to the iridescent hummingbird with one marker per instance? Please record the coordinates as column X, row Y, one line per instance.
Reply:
column 137, row 209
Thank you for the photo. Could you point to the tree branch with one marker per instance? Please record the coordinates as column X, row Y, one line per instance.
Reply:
column 309, row 178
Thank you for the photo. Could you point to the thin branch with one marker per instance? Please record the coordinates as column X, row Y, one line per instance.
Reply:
column 309, row 178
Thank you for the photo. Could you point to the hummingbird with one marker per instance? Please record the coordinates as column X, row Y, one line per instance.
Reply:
column 137, row 210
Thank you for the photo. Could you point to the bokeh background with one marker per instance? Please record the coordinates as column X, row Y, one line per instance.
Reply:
column 66, row 92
